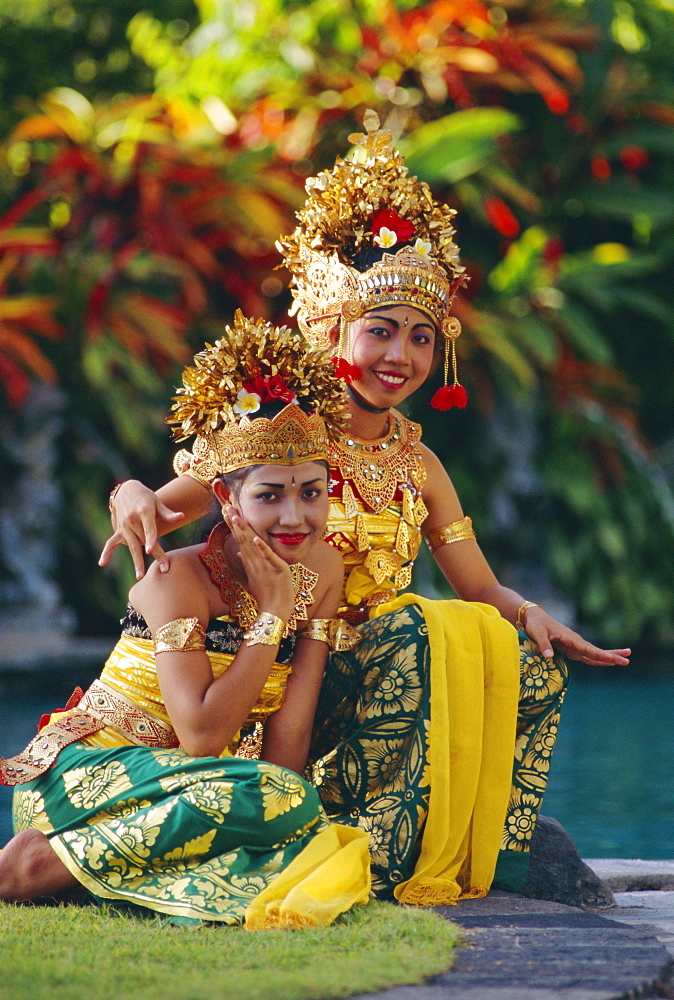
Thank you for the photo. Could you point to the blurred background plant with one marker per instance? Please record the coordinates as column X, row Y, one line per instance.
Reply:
column 152, row 158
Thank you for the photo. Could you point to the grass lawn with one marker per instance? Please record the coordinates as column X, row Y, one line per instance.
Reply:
column 76, row 953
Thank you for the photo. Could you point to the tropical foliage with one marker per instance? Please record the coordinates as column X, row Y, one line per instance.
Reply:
column 135, row 224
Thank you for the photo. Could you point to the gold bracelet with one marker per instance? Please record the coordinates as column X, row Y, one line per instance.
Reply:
column 112, row 496
column 179, row 636
column 521, row 611
column 266, row 630
column 338, row 634
column 457, row 531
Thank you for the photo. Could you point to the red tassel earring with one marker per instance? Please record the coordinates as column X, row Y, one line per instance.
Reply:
column 448, row 396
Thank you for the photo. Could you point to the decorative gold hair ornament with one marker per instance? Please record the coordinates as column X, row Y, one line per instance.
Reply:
column 369, row 202
column 252, row 365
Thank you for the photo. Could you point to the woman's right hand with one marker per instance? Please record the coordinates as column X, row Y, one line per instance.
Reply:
column 136, row 511
column 268, row 577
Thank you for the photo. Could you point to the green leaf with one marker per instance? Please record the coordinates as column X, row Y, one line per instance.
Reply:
column 536, row 337
column 622, row 202
column 584, row 333
column 455, row 146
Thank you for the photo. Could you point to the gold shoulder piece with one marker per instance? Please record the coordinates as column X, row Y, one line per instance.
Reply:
column 457, row 531
column 338, row 634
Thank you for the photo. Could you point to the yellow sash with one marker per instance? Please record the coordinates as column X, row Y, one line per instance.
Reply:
column 474, row 696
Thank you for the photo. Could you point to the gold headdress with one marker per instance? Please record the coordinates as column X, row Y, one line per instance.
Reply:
column 366, row 202
column 253, row 365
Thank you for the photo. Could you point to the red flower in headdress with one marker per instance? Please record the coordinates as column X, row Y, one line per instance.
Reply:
column 270, row 388
column 346, row 371
column 389, row 219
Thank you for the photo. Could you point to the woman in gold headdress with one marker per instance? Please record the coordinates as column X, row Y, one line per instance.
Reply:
column 133, row 791
column 375, row 269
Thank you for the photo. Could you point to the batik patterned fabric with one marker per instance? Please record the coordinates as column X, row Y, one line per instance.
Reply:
column 205, row 838
column 370, row 753
column 196, row 838
column 543, row 686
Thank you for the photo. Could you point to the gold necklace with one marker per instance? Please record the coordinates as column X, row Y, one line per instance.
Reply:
column 377, row 468
column 241, row 603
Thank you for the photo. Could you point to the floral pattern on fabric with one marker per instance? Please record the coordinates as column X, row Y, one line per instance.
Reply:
column 542, row 689
column 370, row 746
column 281, row 791
column 197, row 838
column 28, row 811
column 88, row 787
column 369, row 757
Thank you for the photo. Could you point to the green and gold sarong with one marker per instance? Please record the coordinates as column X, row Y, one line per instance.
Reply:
column 225, row 839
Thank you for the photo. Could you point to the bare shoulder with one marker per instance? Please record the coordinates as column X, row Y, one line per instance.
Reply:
column 435, row 470
column 187, row 572
column 325, row 560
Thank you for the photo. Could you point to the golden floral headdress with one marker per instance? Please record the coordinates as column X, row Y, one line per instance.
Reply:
column 255, row 364
column 369, row 201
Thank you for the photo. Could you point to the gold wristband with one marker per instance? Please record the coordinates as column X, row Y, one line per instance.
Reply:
column 338, row 634
column 266, row 630
column 521, row 612
column 457, row 531
column 179, row 636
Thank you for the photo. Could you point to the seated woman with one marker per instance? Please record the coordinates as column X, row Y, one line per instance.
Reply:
column 133, row 791
column 375, row 269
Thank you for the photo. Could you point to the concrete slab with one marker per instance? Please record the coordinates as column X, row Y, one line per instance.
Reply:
column 526, row 949
column 628, row 875
column 653, row 910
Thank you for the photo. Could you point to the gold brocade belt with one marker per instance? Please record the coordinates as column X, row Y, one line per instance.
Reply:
column 98, row 708
column 104, row 707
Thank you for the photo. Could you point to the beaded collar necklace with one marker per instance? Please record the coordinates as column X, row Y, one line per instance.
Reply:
column 377, row 468
column 242, row 605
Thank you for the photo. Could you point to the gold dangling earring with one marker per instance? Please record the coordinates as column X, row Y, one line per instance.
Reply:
column 345, row 370
column 448, row 396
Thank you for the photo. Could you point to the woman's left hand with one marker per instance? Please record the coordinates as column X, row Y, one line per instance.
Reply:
column 548, row 633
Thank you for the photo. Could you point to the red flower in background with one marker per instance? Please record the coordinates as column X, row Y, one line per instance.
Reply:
column 600, row 167
column 501, row 217
column 403, row 229
column 270, row 388
column 634, row 157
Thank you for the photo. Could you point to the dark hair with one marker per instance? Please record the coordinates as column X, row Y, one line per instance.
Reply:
column 369, row 256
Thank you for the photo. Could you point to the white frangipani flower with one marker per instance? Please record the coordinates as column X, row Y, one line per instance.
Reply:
column 246, row 402
column 386, row 237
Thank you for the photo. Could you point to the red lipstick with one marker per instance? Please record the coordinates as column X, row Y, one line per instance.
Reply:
column 289, row 539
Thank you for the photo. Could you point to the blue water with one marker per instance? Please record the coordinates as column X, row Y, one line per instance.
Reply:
column 611, row 784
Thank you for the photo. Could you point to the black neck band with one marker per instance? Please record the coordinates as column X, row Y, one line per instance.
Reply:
column 364, row 405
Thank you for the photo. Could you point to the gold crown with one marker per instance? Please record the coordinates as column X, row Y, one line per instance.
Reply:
column 336, row 225
column 253, row 364
column 288, row 438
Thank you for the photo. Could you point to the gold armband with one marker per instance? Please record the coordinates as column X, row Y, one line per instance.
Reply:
column 266, row 630
column 520, row 621
column 338, row 634
column 457, row 531
column 179, row 636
